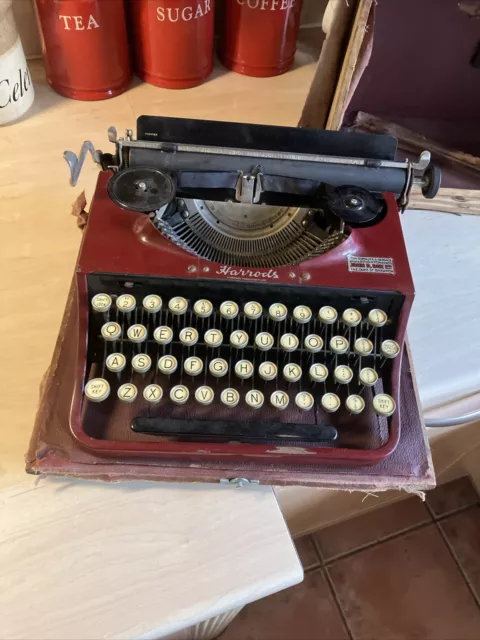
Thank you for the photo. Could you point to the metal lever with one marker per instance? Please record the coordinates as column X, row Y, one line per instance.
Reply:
column 76, row 163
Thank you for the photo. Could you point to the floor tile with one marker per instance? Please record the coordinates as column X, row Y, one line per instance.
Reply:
column 406, row 588
column 304, row 612
column 348, row 535
column 452, row 496
column 307, row 552
column 463, row 533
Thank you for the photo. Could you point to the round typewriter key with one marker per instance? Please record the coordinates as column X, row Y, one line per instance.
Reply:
column 377, row 318
column 304, row 400
column 253, row 310
column 178, row 305
column 384, row 405
column 188, row 336
column 111, row 331
column 343, row 374
column 127, row 392
column 229, row 310
column 368, row 376
column 327, row 315
column 218, row 367
column 267, row 370
column 116, row 362
column 254, row 399
column 351, row 317
column 302, row 314
column 141, row 363
column 244, row 369
column 193, row 366
column 126, row 303
column 277, row 311
column 97, row 389
column 355, row 403
column 313, row 343
column 230, row 397
column 204, row 395
column 363, row 346
column 163, row 335
column 239, row 339
column 153, row 393
column 203, row 308
column 137, row 333
column 179, row 394
column 318, row 372
column 213, row 338
column 101, row 302
column 330, row 402
column 339, row 344
column 167, row 364
column 264, row 341
column 390, row 349
column 279, row 400
column 152, row 303
column 292, row 372
column 289, row 342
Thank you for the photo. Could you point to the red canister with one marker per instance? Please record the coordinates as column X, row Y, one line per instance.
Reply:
column 259, row 36
column 85, row 47
column 173, row 41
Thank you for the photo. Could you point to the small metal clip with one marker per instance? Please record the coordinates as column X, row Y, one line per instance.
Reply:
column 238, row 482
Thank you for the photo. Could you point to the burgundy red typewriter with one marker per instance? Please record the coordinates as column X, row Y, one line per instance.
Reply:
column 243, row 293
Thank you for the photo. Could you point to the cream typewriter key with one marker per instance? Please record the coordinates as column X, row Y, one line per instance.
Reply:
column 229, row 309
column 213, row 338
column 178, row 305
column 203, row 308
column 163, row 335
column 363, row 347
column 279, row 400
column 384, row 405
column 253, row 310
column 152, row 303
column 153, row 393
column 204, row 395
column 127, row 392
column 368, row 376
column 218, row 367
column 390, row 349
column 304, row 400
column 289, row 342
column 101, row 302
column 292, row 372
column 267, row 370
column 351, row 317
column 313, row 343
column 141, row 363
column 244, row 369
column 188, row 336
column 277, row 311
column 239, row 339
column 193, row 366
column 254, row 399
column 137, row 333
column 355, row 404
column 97, row 389
column 116, row 362
column 318, row 372
column 111, row 331
column 327, row 315
column 343, row 374
column 179, row 394
column 264, row 341
column 167, row 364
column 377, row 318
column 339, row 344
column 126, row 303
column 302, row 314
column 330, row 402
column 230, row 397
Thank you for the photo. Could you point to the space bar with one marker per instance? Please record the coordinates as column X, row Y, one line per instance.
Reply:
column 231, row 430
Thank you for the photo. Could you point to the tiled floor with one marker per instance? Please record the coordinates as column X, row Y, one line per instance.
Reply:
column 408, row 571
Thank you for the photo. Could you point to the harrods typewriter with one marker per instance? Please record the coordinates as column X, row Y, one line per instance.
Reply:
column 243, row 292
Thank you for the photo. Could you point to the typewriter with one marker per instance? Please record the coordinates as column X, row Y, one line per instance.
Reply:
column 243, row 293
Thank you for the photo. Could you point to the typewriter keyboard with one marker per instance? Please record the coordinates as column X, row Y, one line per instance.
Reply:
column 244, row 367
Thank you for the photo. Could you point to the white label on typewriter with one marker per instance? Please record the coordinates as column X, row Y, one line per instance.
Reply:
column 371, row 265
column 242, row 274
